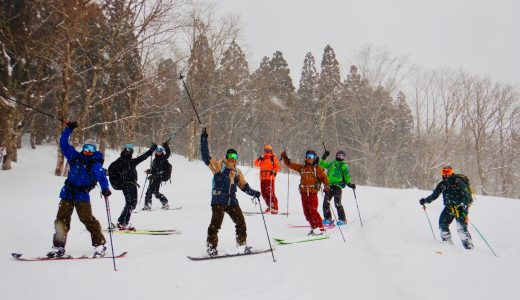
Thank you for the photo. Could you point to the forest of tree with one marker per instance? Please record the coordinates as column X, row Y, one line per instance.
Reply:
column 114, row 65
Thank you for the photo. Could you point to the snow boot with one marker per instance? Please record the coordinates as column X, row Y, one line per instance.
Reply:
column 56, row 252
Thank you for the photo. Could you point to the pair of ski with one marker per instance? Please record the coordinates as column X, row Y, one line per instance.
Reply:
column 146, row 231
column 19, row 257
column 254, row 213
column 164, row 209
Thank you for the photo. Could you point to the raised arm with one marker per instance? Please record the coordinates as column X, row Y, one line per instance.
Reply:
column 167, row 148
column 68, row 151
column 204, row 148
column 289, row 164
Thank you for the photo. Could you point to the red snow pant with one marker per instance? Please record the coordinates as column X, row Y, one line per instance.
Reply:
column 310, row 210
column 267, row 188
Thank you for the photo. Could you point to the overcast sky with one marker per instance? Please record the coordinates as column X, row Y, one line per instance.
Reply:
column 481, row 36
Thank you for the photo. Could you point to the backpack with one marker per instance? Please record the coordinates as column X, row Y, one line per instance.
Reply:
column 167, row 171
column 114, row 174
column 465, row 179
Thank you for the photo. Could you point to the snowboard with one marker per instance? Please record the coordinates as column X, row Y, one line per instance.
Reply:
column 146, row 231
column 207, row 257
column 304, row 240
column 18, row 256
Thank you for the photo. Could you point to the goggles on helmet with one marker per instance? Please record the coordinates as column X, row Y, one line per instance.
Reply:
column 232, row 156
column 268, row 150
column 310, row 156
column 160, row 149
column 128, row 147
column 447, row 171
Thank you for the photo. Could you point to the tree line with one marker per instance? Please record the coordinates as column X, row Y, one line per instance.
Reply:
column 114, row 66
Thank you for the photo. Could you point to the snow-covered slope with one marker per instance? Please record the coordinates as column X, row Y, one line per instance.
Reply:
column 393, row 256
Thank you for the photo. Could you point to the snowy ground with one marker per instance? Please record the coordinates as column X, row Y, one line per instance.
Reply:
column 393, row 256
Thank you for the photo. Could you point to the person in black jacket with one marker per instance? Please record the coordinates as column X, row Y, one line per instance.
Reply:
column 457, row 198
column 128, row 174
column 155, row 174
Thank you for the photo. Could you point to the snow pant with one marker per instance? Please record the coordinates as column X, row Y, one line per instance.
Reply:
column 461, row 216
column 216, row 222
column 267, row 188
column 62, row 222
column 153, row 189
column 310, row 210
column 130, row 193
column 335, row 191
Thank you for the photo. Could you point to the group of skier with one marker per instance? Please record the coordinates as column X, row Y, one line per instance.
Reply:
column 86, row 169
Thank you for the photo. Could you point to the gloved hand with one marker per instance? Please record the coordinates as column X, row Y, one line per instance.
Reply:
column 204, row 133
column 326, row 189
column 352, row 185
column 273, row 172
column 147, row 171
column 106, row 193
column 463, row 207
column 71, row 124
column 284, row 155
column 325, row 155
column 261, row 158
column 422, row 201
column 256, row 194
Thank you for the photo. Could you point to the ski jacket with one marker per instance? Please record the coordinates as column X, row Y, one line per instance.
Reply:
column 84, row 171
column 454, row 192
column 311, row 176
column 160, row 163
column 226, row 178
column 127, row 165
column 337, row 172
column 269, row 166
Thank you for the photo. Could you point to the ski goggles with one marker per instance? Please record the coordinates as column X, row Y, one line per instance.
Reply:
column 268, row 150
column 447, row 172
column 89, row 148
column 232, row 156
column 310, row 156
column 129, row 147
column 160, row 149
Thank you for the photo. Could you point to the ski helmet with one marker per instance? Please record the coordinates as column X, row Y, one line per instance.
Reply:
column 89, row 147
column 311, row 154
column 340, row 155
column 268, row 148
column 447, row 171
column 232, row 154
column 160, row 150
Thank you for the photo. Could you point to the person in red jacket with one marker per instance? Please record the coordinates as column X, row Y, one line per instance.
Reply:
column 269, row 167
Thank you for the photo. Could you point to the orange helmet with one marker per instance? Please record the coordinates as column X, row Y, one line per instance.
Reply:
column 268, row 148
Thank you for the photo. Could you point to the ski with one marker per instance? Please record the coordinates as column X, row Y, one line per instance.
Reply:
column 304, row 240
column 253, row 213
column 308, row 226
column 18, row 256
column 158, row 209
column 146, row 231
column 207, row 257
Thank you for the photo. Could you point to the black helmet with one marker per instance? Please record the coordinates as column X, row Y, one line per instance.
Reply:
column 340, row 155
column 232, row 154
column 311, row 153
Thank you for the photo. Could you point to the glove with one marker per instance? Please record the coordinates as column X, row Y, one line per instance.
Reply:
column 325, row 155
column 422, row 201
column 273, row 172
column 352, row 186
column 147, row 171
column 106, row 193
column 256, row 194
column 204, row 133
column 284, row 155
column 154, row 146
column 261, row 157
column 71, row 124
column 326, row 189
column 463, row 207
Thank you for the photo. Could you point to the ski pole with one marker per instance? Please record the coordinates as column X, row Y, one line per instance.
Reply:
column 110, row 231
column 173, row 135
column 483, row 238
column 181, row 77
column 145, row 179
column 319, row 131
column 33, row 108
column 265, row 225
column 336, row 220
column 424, row 208
column 359, row 214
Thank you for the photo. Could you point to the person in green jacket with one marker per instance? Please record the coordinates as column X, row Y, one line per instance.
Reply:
column 339, row 177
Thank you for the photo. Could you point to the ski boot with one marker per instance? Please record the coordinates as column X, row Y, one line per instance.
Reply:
column 327, row 222
column 56, row 252
column 165, row 206
column 99, row 251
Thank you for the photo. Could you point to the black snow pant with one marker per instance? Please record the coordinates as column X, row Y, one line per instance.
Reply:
column 130, row 193
column 335, row 191
column 461, row 216
column 153, row 189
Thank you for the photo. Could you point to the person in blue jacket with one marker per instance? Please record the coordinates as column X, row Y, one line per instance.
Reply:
column 85, row 170
column 226, row 178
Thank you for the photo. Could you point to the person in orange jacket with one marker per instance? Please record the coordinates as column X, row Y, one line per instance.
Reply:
column 269, row 167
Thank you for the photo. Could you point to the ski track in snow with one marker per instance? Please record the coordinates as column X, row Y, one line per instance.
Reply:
column 393, row 256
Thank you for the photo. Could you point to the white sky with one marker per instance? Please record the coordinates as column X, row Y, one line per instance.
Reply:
column 482, row 37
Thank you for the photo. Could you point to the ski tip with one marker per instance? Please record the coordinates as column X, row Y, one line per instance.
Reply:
column 16, row 255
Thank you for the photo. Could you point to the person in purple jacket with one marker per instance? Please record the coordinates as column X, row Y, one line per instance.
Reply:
column 85, row 170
